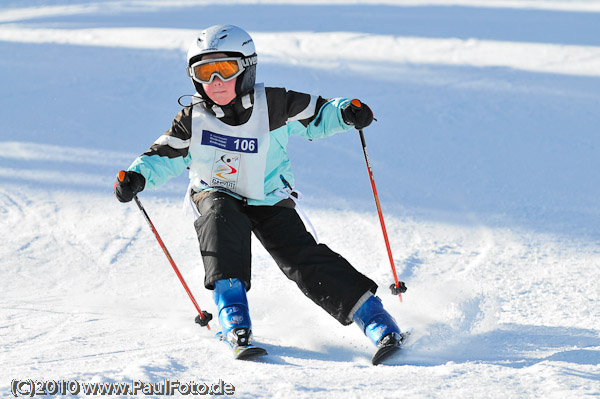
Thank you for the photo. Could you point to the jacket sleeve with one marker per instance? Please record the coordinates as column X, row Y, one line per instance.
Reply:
column 306, row 115
column 327, row 122
column 169, row 156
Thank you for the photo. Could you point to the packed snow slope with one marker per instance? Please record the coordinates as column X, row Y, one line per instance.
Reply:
column 485, row 155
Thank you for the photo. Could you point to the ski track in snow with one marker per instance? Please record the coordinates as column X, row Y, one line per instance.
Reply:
column 503, row 294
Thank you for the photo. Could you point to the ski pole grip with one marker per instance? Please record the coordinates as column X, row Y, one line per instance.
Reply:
column 356, row 104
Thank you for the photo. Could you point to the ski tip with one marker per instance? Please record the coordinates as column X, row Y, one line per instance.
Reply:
column 391, row 347
column 384, row 353
column 249, row 353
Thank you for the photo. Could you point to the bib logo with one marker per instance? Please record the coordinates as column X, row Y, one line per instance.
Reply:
column 225, row 170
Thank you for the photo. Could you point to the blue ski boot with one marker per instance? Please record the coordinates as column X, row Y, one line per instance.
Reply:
column 234, row 318
column 379, row 327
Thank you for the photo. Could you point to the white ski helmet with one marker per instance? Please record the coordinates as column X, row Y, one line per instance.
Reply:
column 233, row 41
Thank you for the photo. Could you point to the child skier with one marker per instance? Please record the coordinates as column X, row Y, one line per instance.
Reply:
column 233, row 141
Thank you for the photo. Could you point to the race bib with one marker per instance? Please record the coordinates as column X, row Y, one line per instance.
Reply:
column 231, row 157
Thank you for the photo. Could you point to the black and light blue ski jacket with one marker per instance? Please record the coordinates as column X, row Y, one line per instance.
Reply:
column 290, row 113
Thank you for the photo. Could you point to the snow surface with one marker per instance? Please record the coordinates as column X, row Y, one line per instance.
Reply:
column 485, row 153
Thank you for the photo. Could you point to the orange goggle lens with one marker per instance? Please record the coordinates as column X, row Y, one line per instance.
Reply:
column 225, row 69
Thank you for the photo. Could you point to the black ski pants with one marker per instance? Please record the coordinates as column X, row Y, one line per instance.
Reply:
column 224, row 232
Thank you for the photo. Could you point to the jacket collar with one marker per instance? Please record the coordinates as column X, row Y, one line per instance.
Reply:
column 235, row 113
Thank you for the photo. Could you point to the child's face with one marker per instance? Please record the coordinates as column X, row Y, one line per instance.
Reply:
column 219, row 91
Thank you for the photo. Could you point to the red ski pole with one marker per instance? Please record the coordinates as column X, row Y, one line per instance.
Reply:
column 398, row 287
column 203, row 317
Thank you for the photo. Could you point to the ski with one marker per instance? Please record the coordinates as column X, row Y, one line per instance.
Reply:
column 389, row 346
column 248, row 352
column 243, row 352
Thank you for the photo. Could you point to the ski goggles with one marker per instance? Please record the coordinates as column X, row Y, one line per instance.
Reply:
column 225, row 68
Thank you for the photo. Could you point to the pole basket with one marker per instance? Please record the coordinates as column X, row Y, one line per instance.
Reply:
column 205, row 319
column 400, row 289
